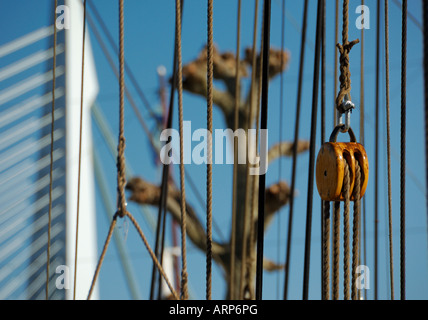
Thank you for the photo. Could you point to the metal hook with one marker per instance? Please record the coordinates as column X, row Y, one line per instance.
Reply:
column 346, row 108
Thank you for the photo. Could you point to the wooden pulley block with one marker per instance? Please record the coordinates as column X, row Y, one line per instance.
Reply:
column 330, row 166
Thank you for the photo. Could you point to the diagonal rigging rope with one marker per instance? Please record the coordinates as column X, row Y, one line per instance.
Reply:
column 80, row 150
column 121, row 178
column 209, row 145
column 48, row 252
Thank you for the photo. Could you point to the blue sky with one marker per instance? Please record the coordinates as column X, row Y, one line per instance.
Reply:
column 149, row 38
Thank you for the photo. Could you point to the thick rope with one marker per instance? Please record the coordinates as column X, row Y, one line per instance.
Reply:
column 356, row 229
column 161, row 270
column 388, row 144
column 80, row 150
column 48, row 251
column 152, row 254
column 209, row 152
column 121, row 178
column 403, row 153
column 344, row 49
column 336, row 31
column 346, row 252
column 103, row 253
column 326, row 251
column 184, row 290
column 336, row 249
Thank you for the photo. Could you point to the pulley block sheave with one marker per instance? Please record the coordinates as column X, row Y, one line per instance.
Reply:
column 330, row 166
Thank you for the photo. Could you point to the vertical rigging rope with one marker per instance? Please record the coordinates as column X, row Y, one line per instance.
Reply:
column 391, row 264
column 209, row 152
column 48, row 250
column 165, row 171
column 235, row 156
column 362, row 138
column 336, row 249
column 281, row 116
column 80, row 150
column 296, row 139
column 403, row 152
column 263, row 125
column 249, row 197
column 326, row 251
column 376, row 191
column 336, row 39
column 324, row 261
column 355, row 230
column 308, row 230
column 184, row 290
column 346, row 254
column 121, row 174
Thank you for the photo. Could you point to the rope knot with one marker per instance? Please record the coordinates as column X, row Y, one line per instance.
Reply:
column 345, row 74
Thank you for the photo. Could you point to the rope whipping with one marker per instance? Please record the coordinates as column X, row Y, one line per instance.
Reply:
column 80, row 150
column 306, row 270
column 263, row 126
column 209, row 152
column 344, row 49
column 48, row 250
